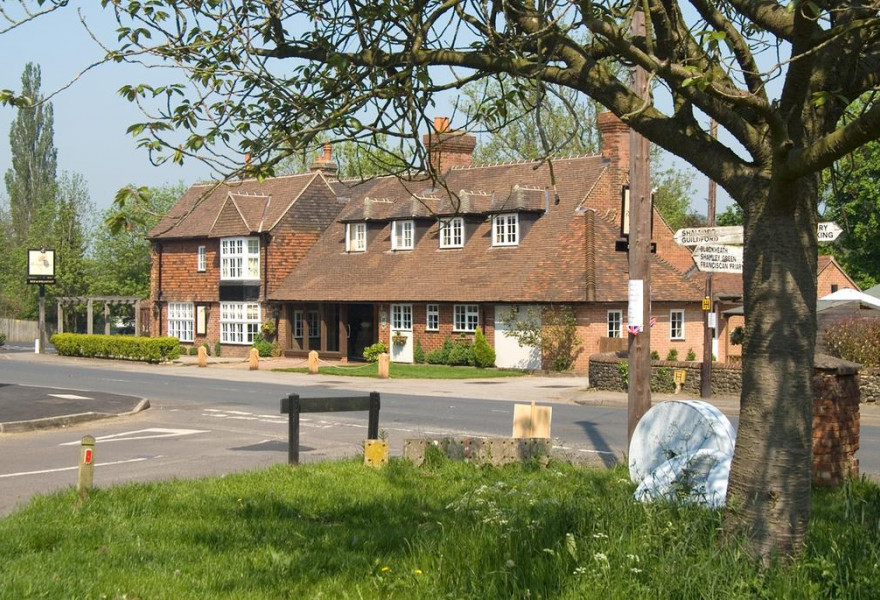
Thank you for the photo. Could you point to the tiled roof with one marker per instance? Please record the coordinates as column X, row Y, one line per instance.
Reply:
column 232, row 208
column 548, row 265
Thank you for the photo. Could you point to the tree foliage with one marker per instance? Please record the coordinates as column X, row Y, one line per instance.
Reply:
column 852, row 200
column 30, row 183
column 121, row 257
column 270, row 78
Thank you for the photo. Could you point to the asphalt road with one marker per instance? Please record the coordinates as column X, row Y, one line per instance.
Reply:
column 199, row 424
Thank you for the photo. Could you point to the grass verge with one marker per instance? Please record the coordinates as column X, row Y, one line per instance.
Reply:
column 449, row 530
column 407, row 371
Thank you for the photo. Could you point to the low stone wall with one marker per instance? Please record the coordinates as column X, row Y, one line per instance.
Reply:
column 606, row 374
column 481, row 451
column 869, row 385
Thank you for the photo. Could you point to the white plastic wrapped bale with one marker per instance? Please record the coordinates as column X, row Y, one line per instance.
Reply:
column 698, row 478
column 677, row 428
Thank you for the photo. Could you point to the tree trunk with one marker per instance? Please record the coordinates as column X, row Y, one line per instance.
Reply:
column 768, row 496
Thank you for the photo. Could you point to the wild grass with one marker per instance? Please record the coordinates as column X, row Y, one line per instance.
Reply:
column 448, row 530
column 408, row 371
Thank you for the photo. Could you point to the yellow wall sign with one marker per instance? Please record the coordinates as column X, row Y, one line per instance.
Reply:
column 678, row 376
column 707, row 303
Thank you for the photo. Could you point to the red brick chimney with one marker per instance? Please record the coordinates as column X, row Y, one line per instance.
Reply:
column 447, row 149
column 325, row 163
column 615, row 140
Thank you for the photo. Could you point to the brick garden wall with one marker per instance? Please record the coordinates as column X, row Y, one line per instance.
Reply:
column 836, row 421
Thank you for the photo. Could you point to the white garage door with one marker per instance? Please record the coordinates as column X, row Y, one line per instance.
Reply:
column 508, row 352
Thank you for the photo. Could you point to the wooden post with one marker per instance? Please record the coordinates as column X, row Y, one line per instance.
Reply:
column 706, row 367
column 313, row 362
column 106, row 318
column 373, row 418
column 293, row 407
column 42, row 320
column 137, row 318
column 384, row 366
column 203, row 356
column 253, row 359
column 86, row 466
column 60, row 325
column 90, row 327
column 639, row 343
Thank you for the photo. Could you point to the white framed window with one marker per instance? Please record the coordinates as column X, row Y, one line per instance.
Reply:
column 452, row 233
column 466, row 317
column 239, row 322
column 615, row 323
column 505, row 230
column 676, row 325
column 180, row 320
column 401, row 317
column 240, row 258
column 202, row 262
column 297, row 323
column 314, row 324
column 432, row 317
column 402, row 235
column 356, row 237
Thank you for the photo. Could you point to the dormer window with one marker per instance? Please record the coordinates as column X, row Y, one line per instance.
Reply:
column 356, row 237
column 505, row 230
column 402, row 235
column 240, row 258
column 452, row 233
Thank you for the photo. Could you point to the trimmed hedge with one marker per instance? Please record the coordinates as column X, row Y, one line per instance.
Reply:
column 147, row 349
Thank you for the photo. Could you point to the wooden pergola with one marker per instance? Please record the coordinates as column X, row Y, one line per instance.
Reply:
column 89, row 302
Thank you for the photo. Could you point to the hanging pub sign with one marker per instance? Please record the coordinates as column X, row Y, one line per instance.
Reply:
column 41, row 266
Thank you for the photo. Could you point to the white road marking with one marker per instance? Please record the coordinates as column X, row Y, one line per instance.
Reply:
column 70, row 397
column 44, row 471
column 141, row 434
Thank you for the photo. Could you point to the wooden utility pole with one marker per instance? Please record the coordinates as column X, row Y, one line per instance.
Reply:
column 639, row 340
column 706, row 367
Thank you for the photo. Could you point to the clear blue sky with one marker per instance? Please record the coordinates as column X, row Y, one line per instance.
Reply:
column 90, row 116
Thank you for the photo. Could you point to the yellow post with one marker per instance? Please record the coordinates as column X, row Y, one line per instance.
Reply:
column 203, row 356
column 375, row 453
column 254, row 359
column 313, row 362
column 86, row 466
column 384, row 366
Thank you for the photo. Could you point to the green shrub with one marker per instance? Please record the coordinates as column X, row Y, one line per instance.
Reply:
column 672, row 355
column 2, row 338
column 371, row 353
column 856, row 340
column 691, row 355
column 127, row 347
column 263, row 346
column 655, row 355
column 737, row 336
column 662, row 380
column 217, row 348
column 484, row 354
column 418, row 352
column 207, row 348
column 461, row 354
column 440, row 356
column 623, row 369
column 193, row 351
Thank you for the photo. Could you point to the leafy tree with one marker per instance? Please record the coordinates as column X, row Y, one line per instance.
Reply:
column 552, row 329
column 852, row 200
column 545, row 121
column 121, row 255
column 71, row 232
column 30, row 183
column 674, row 190
column 273, row 73
column 732, row 215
